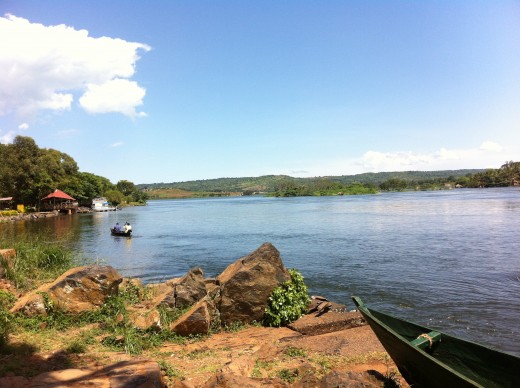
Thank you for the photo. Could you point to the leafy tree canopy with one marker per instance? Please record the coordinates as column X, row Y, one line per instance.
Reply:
column 28, row 173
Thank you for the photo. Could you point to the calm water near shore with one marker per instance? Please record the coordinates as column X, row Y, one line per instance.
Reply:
column 445, row 259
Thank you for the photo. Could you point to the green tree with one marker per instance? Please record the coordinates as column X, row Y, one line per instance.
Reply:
column 85, row 186
column 394, row 184
column 20, row 173
column 511, row 173
column 115, row 197
column 126, row 187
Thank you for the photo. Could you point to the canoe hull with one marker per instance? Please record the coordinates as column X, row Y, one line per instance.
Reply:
column 451, row 362
column 121, row 233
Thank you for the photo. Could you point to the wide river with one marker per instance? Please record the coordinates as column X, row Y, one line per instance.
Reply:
column 446, row 259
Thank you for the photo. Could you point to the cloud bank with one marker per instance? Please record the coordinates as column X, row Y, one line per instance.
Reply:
column 50, row 67
column 488, row 155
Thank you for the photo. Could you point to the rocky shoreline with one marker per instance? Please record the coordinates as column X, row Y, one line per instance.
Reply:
column 328, row 346
column 38, row 215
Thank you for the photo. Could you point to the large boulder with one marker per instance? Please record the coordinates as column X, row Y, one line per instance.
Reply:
column 143, row 318
column 197, row 320
column 79, row 289
column 190, row 289
column 183, row 292
column 247, row 284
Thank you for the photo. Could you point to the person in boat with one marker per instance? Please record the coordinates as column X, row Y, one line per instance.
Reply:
column 117, row 228
column 127, row 228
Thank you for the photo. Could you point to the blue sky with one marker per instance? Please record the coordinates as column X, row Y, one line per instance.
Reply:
column 167, row 91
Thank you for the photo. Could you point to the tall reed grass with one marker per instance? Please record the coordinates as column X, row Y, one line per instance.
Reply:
column 37, row 260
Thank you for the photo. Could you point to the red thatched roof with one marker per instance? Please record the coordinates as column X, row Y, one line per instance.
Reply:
column 58, row 194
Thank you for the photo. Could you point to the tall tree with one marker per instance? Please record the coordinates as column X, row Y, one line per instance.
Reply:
column 126, row 187
column 20, row 174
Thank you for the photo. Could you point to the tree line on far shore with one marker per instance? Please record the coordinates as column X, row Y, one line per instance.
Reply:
column 29, row 173
column 367, row 183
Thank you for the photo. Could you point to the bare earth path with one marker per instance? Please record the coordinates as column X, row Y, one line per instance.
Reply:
column 318, row 351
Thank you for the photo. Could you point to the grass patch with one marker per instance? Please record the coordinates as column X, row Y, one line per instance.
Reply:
column 200, row 354
column 37, row 261
column 293, row 352
column 170, row 371
column 261, row 366
column 289, row 375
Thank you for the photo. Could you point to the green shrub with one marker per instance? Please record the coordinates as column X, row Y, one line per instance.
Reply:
column 288, row 375
column 6, row 301
column 5, row 326
column 295, row 352
column 288, row 302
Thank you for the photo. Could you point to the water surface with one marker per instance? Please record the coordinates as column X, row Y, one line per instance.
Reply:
column 446, row 259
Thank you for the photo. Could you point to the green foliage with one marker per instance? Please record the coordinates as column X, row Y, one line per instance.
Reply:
column 273, row 183
column 115, row 197
column 507, row 175
column 125, row 187
column 394, row 184
column 288, row 302
column 288, row 375
column 132, row 293
column 76, row 346
column 37, row 260
column 6, row 326
column 235, row 327
column 29, row 173
column 295, row 352
column 169, row 370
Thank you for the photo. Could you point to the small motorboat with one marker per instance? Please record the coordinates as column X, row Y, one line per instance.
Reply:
column 430, row 358
column 114, row 232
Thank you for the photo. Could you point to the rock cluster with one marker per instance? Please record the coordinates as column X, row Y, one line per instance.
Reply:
column 29, row 216
column 239, row 294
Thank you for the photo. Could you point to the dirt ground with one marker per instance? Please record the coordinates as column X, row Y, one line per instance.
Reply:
column 260, row 356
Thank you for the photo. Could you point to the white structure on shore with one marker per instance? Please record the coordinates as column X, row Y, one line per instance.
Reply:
column 100, row 204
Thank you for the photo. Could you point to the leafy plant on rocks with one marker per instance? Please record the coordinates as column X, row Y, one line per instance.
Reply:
column 288, row 375
column 288, row 302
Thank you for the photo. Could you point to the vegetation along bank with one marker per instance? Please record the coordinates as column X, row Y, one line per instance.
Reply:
column 88, row 325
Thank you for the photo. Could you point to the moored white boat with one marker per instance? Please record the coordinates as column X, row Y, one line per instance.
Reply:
column 100, row 204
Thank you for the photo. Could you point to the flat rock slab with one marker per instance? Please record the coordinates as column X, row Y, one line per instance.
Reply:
column 311, row 324
column 351, row 342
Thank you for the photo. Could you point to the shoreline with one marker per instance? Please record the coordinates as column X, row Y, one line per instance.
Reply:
column 39, row 215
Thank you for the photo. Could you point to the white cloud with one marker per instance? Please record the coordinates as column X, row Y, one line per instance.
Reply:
column 491, row 146
column 118, row 95
column 488, row 155
column 117, row 144
column 381, row 161
column 23, row 127
column 8, row 137
column 43, row 67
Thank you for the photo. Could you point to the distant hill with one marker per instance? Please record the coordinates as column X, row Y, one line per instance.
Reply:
column 270, row 183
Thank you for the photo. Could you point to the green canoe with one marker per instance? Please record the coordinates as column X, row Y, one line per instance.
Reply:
column 429, row 358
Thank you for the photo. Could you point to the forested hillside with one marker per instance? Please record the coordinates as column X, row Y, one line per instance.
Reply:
column 273, row 183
